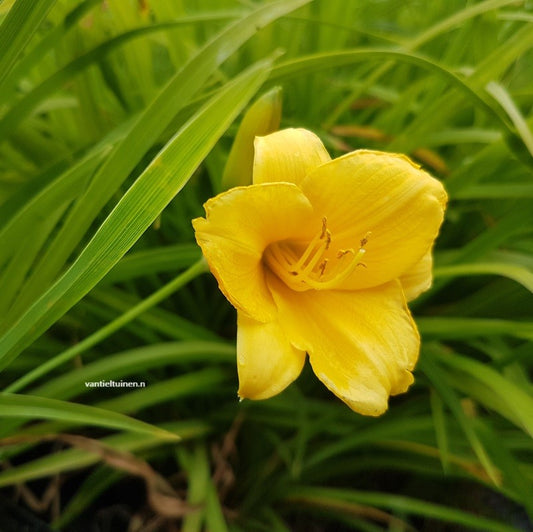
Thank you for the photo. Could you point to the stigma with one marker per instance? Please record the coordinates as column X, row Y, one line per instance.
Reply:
column 316, row 267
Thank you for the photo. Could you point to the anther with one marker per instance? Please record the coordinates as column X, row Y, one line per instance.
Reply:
column 304, row 270
column 343, row 252
column 328, row 238
column 364, row 241
column 324, row 227
column 322, row 266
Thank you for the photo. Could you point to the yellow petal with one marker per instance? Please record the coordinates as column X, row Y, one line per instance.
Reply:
column 418, row 278
column 287, row 155
column 266, row 362
column 384, row 199
column 362, row 345
column 239, row 225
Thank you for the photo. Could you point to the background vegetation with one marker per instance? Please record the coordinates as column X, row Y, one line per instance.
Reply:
column 116, row 119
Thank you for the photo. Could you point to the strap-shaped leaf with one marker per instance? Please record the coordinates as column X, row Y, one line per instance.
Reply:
column 144, row 132
column 166, row 175
column 19, row 25
column 35, row 407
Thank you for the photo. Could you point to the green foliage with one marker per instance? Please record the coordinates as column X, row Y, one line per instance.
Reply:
column 116, row 122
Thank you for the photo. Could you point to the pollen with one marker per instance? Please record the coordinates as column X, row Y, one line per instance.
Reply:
column 314, row 268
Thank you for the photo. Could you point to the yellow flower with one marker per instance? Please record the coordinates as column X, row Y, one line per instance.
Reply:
column 318, row 256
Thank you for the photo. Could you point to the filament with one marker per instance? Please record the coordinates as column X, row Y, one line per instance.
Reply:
column 312, row 269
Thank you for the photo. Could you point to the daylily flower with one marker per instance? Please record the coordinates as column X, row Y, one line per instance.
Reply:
column 319, row 256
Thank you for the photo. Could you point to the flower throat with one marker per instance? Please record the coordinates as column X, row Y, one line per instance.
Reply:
column 314, row 268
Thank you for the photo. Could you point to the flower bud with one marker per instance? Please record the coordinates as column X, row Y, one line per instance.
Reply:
column 262, row 117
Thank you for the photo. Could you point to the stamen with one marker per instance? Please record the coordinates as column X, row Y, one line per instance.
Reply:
column 365, row 239
column 311, row 248
column 324, row 227
column 309, row 270
column 343, row 252
column 328, row 239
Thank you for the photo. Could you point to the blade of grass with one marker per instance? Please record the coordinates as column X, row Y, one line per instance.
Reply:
column 511, row 225
column 214, row 516
column 33, row 56
column 513, row 469
column 390, row 429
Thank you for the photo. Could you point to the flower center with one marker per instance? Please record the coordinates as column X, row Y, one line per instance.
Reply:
column 315, row 267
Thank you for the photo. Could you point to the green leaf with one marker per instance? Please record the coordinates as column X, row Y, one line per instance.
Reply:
column 516, row 404
column 196, row 465
column 187, row 385
column 441, row 432
column 456, row 328
column 327, row 60
column 450, row 398
column 128, row 362
column 23, row 108
column 504, row 99
column 492, row 191
column 27, row 247
column 16, row 30
column 34, row 407
column 192, row 383
column 324, row 497
column 144, row 132
column 517, row 273
column 61, row 191
column 73, row 459
column 97, row 482
column 456, row 20
column 58, row 33
column 152, row 191
column 153, row 260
